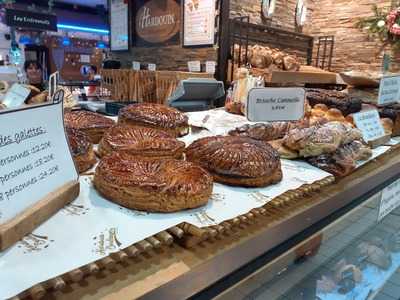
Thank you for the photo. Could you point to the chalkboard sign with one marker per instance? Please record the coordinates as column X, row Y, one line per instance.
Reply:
column 31, row 20
column 157, row 23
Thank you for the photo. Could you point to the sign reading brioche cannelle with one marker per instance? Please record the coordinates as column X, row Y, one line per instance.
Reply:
column 37, row 173
column 275, row 104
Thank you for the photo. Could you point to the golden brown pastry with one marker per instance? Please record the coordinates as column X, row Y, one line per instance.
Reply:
column 284, row 152
column 39, row 98
column 142, row 141
column 268, row 131
column 93, row 124
column 334, row 114
column 313, row 141
column 237, row 160
column 81, row 149
column 155, row 116
column 153, row 185
column 387, row 125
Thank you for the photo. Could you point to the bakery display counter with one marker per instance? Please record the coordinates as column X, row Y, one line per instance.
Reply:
column 214, row 265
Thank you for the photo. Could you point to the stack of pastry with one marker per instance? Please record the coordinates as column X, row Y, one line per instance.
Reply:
column 334, row 99
column 321, row 114
column 237, row 160
column 156, row 116
column 141, row 141
column 155, row 185
column 334, row 147
column 81, row 149
column 93, row 124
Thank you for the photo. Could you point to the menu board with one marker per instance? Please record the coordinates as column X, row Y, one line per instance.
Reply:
column 119, row 25
column 199, row 22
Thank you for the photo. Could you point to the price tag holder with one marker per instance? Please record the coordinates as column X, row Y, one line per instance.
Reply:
column 275, row 104
column 194, row 66
column 370, row 125
column 136, row 65
column 210, row 67
column 37, row 173
column 16, row 96
column 389, row 90
column 151, row 67
column 53, row 83
column 390, row 200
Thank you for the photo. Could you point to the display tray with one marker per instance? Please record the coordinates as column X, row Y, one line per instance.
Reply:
column 104, row 233
column 178, row 273
column 306, row 74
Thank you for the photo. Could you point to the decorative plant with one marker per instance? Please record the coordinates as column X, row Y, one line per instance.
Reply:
column 385, row 24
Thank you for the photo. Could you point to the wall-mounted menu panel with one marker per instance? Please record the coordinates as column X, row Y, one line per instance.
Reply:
column 199, row 22
column 119, row 24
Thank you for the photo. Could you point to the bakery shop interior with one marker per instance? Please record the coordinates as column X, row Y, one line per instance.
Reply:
column 200, row 149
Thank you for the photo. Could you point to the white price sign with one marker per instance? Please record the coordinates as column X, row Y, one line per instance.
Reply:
column 16, row 96
column 275, row 104
column 389, row 90
column 34, row 157
column 136, row 65
column 370, row 124
column 210, row 67
column 151, row 67
column 390, row 200
column 194, row 66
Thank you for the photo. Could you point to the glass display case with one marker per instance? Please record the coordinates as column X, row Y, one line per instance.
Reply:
column 355, row 257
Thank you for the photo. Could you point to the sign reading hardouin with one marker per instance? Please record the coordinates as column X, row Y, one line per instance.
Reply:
column 157, row 22
column 31, row 20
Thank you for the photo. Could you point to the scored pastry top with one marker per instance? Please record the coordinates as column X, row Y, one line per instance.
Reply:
column 78, row 141
column 152, row 114
column 234, row 156
column 86, row 120
column 170, row 175
column 141, row 140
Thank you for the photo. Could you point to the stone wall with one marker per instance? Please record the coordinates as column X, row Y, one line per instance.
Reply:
column 354, row 50
column 283, row 17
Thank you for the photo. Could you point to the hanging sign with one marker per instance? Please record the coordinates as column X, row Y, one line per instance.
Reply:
column 31, row 20
column 210, row 67
column 389, row 90
column 194, row 66
column 199, row 22
column 390, row 200
column 370, row 124
column 157, row 22
column 136, row 65
column 275, row 104
column 37, row 173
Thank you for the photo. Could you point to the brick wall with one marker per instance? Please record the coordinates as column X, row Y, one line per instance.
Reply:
column 283, row 17
column 353, row 49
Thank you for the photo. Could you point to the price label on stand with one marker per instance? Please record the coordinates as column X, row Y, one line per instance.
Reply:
column 136, row 65
column 370, row 124
column 389, row 90
column 390, row 200
column 37, row 173
column 194, row 66
column 210, row 67
column 151, row 67
column 275, row 104
column 16, row 96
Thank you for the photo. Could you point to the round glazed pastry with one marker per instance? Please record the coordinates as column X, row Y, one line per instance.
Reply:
column 237, row 160
column 143, row 141
column 81, row 149
column 155, row 116
column 93, row 124
column 152, row 185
